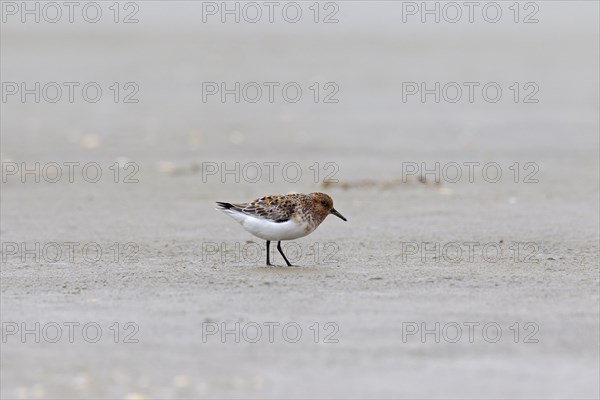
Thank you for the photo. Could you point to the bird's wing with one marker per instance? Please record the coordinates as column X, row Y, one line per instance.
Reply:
column 276, row 208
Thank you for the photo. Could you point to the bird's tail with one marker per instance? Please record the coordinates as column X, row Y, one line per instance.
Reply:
column 224, row 206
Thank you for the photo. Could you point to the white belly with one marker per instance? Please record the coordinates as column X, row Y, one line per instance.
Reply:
column 268, row 230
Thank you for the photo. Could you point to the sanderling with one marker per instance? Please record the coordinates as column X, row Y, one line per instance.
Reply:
column 282, row 217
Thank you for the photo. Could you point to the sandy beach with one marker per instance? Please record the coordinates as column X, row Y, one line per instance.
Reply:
column 469, row 265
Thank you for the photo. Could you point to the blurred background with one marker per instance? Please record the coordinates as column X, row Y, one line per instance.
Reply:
column 159, row 119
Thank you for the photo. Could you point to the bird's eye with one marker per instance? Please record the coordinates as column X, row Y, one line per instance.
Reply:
column 324, row 203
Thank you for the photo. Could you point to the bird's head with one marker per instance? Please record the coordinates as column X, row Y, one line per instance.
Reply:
column 323, row 205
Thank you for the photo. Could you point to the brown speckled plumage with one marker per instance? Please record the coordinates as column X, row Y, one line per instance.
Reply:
column 313, row 207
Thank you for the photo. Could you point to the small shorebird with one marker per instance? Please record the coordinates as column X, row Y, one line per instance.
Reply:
column 282, row 217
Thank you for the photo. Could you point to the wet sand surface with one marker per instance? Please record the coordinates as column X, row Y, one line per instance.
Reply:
column 174, row 272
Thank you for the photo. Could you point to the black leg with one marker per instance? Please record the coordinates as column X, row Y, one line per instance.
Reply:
column 268, row 244
column 283, row 255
